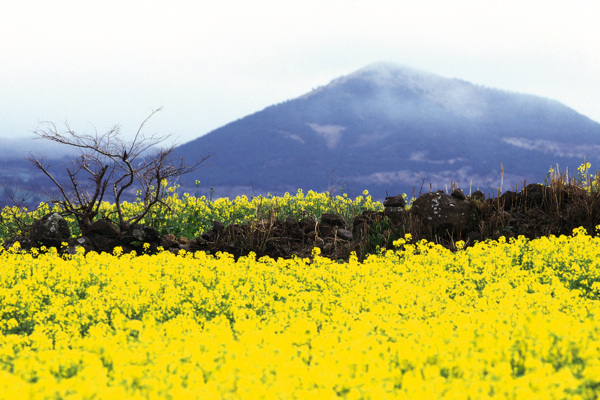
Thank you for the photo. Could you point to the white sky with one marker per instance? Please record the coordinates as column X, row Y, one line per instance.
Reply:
column 207, row 63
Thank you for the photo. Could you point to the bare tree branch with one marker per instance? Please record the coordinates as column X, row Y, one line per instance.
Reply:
column 106, row 160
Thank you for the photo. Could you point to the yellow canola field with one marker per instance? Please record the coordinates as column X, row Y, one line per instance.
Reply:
column 518, row 320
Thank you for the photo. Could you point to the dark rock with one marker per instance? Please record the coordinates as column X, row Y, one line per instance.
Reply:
column 103, row 227
column 395, row 214
column 395, row 201
column 307, row 224
column 293, row 228
column 359, row 220
column 473, row 236
column 103, row 244
column 130, row 247
column 510, row 200
column 50, row 231
column 234, row 230
column 185, row 246
column 25, row 243
column 333, row 219
column 168, row 241
column 443, row 213
column 291, row 223
column 572, row 192
column 83, row 241
column 213, row 234
column 141, row 233
column 360, row 226
column 533, row 194
column 458, row 194
column 326, row 229
column 218, row 226
column 209, row 236
column 478, row 195
column 196, row 244
column 344, row 234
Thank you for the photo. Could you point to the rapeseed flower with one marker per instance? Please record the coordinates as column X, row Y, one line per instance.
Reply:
column 509, row 319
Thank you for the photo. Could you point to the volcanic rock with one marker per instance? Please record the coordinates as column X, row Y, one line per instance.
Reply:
column 50, row 231
column 444, row 214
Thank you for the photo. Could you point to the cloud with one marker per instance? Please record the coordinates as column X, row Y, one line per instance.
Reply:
column 421, row 156
column 556, row 148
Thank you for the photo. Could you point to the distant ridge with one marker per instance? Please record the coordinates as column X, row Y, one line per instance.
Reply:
column 393, row 129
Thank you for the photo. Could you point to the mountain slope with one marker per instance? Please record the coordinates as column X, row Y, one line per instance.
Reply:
column 391, row 129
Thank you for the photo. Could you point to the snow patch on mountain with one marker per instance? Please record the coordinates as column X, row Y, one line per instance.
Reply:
column 331, row 133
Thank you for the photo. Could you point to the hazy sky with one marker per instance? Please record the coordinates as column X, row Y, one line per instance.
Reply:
column 207, row 63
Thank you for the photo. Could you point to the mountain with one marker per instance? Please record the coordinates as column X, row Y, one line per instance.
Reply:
column 19, row 149
column 392, row 129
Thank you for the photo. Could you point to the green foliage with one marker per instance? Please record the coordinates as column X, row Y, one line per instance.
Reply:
column 190, row 216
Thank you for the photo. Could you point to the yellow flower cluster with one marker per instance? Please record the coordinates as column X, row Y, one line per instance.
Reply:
column 517, row 319
column 588, row 180
column 191, row 216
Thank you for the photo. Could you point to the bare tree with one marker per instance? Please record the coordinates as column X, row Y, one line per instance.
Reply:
column 108, row 164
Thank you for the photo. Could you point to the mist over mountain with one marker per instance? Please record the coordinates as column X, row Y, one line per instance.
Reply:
column 385, row 128
column 392, row 129
column 19, row 149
